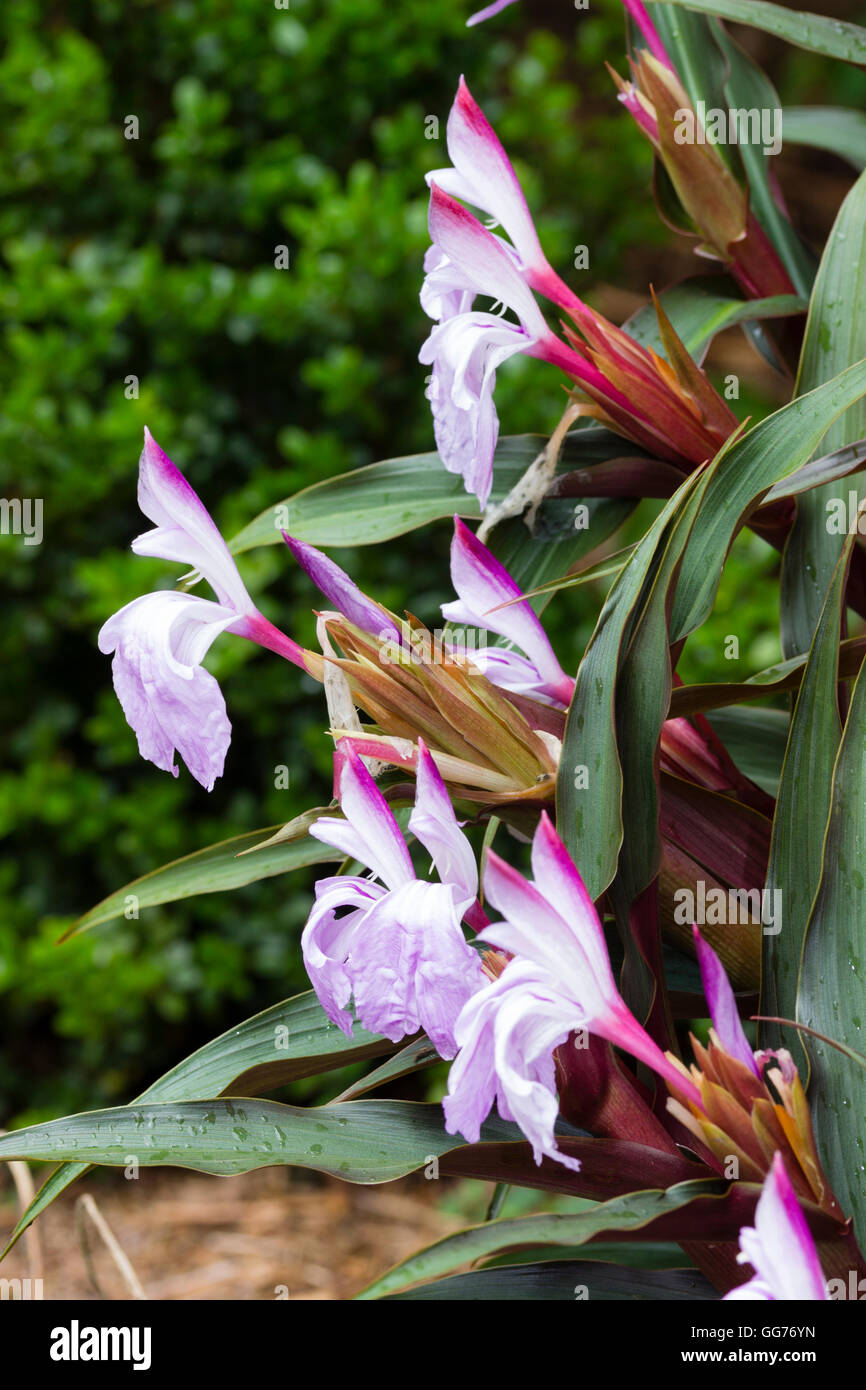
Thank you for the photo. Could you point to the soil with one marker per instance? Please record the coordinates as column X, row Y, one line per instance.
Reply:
column 269, row 1234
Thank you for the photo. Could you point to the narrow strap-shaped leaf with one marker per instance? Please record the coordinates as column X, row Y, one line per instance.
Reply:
column 831, row 997
column 833, row 128
column 835, row 338
column 368, row 505
column 700, row 308
column 817, row 33
column 365, row 1141
column 565, row 1281
column 794, row 867
column 634, row 1212
column 288, row 1041
column 589, row 785
column 217, row 869
column 741, row 476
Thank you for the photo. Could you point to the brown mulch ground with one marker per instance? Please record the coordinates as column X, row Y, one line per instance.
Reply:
column 266, row 1235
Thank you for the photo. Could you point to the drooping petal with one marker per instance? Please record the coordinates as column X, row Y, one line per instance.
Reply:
column 723, row 1005
column 184, row 530
column 434, row 823
column 504, row 667
column 483, row 586
column 779, row 1246
column 327, row 939
column 169, row 700
column 411, row 967
column 369, row 832
column 465, row 352
column 446, row 291
column 342, row 591
column 553, row 924
column 472, row 1080
column 507, row 1034
column 529, row 1027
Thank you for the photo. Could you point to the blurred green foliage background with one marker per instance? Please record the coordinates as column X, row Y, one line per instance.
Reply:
column 153, row 258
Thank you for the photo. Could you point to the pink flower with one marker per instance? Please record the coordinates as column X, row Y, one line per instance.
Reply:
column 482, row 175
column 488, row 598
column 779, row 1247
column 160, row 640
column 467, row 347
column 559, row 980
column 397, row 946
column 725, row 1016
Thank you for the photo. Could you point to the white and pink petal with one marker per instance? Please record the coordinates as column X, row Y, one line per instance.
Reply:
column 184, row 530
column 169, row 700
column 434, row 823
column 489, row 598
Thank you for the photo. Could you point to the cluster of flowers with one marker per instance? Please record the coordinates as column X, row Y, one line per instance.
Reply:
column 388, row 948
column 501, row 1006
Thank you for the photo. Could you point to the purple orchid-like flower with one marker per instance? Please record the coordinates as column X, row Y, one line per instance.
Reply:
column 343, row 592
column 482, row 175
column 483, row 586
column 725, row 1016
column 779, row 1247
column 160, row 640
column 394, row 942
column 466, row 348
column 559, row 980
column 488, row 598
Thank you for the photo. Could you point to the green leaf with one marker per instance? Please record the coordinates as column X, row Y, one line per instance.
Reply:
column 633, row 1212
column 374, row 504
column 738, row 480
column 284, row 1043
column 365, row 1141
column 835, row 338
column 832, row 128
column 639, row 1255
column 589, row 808
column 565, row 1281
column 697, row 526
column 535, row 558
column 755, row 739
column 841, row 463
column 288, row 1041
column 419, row 1053
column 773, row 680
column 794, row 868
column 700, row 308
column 217, row 869
column 832, row 987
column 747, row 87
column 834, row 38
